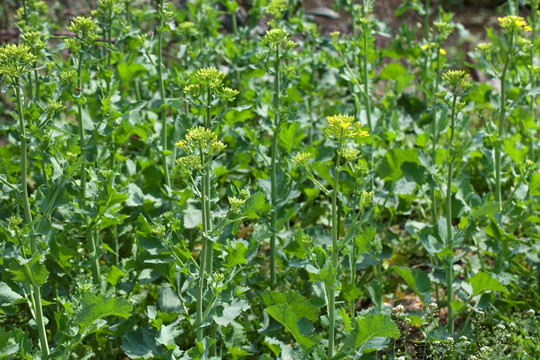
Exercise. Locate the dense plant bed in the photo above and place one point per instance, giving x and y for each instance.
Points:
(210, 180)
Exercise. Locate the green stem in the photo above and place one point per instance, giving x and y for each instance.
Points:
(207, 179)
(38, 308)
(273, 174)
(204, 252)
(498, 195)
(207, 215)
(109, 57)
(449, 245)
(36, 77)
(82, 141)
(367, 102)
(335, 253)
(163, 109)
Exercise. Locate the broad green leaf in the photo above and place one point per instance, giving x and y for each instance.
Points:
(255, 206)
(168, 300)
(167, 335)
(7, 296)
(390, 167)
(299, 305)
(483, 282)
(392, 71)
(370, 326)
(141, 344)
(235, 255)
(363, 240)
(95, 307)
(418, 281)
(284, 314)
(32, 271)
(114, 275)
(290, 135)
(226, 313)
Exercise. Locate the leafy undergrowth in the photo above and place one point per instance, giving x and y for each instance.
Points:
(223, 181)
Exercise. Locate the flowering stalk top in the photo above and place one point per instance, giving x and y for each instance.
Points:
(513, 24)
(86, 33)
(210, 80)
(15, 60)
(199, 141)
(342, 127)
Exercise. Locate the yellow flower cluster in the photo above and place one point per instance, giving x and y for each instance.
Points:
(278, 38)
(513, 24)
(210, 80)
(15, 60)
(342, 127)
(199, 142)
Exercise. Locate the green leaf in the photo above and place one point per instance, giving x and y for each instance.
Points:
(418, 281)
(347, 323)
(284, 314)
(483, 282)
(370, 326)
(114, 275)
(299, 305)
(290, 136)
(7, 296)
(390, 167)
(31, 271)
(255, 205)
(225, 314)
(95, 307)
(141, 344)
(392, 71)
(235, 255)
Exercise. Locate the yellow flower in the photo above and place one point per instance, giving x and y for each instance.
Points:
(442, 51)
(512, 23)
(527, 28)
(425, 47)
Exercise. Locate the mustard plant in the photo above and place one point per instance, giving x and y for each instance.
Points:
(277, 42)
(341, 130)
(86, 34)
(201, 146)
(15, 62)
(457, 81)
(37, 42)
(165, 14)
(207, 89)
(513, 28)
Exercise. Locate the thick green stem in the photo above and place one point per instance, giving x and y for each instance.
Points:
(273, 174)
(207, 179)
(36, 300)
(335, 254)
(502, 113)
(36, 78)
(82, 141)
(204, 253)
(448, 244)
(82, 199)
(367, 102)
(163, 108)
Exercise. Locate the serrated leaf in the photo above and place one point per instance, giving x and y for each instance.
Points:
(483, 282)
(95, 307)
(371, 326)
(7, 296)
(225, 314)
(299, 305)
(235, 255)
(284, 314)
(254, 206)
(114, 275)
(141, 344)
(418, 281)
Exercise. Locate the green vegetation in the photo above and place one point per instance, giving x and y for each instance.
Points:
(193, 183)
